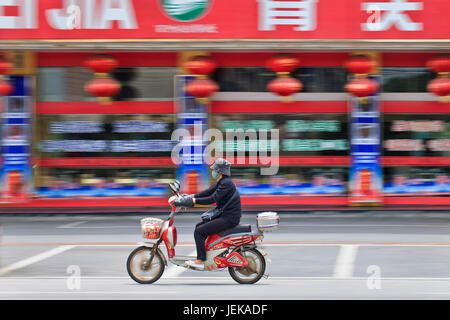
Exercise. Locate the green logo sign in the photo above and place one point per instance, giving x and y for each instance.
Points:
(185, 10)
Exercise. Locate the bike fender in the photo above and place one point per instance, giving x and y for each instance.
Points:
(151, 245)
(265, 255)
(263, 252)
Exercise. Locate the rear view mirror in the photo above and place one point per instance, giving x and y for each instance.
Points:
(175, 186)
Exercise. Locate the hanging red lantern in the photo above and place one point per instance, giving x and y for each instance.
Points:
(285, 86)
(440, 64)
(362, 87)
(101, 63)
(200, 65)
(440, 87)
(360, 64)
(283, 63)
(201, 88)
(5, 88)
(103, 88)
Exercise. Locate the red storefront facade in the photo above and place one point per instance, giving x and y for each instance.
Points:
(150, 40)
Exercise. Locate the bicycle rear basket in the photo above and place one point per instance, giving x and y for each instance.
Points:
(267, 221)
(151, 227)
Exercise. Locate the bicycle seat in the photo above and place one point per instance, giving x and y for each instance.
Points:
(240, 228)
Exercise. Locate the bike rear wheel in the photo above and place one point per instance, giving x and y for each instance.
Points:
(140, 270)
(253, 272)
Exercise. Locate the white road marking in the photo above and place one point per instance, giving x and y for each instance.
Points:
(174, 271)
(225, 276)
(437, 293)
(262, 245)
(71, 225)
(345, 261)
(39, 257)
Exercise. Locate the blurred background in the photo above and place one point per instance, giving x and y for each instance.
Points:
(347, 102)
(357, 124)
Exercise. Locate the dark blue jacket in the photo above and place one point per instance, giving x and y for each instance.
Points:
(219, 194)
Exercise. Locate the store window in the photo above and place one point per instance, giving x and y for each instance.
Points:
(255, 79)
(138, 83)
(320, 79)
(417, 135)
(103, 182)
(295, 181)
(104, 135)
(299, 134)
(405, 79)
(416, 181)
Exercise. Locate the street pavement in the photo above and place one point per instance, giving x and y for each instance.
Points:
(314, 255)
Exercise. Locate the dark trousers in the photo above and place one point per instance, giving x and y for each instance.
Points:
(204, 229)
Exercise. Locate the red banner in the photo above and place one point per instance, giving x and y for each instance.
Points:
(219, 19)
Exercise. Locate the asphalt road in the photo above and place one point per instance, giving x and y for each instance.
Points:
(319, 255)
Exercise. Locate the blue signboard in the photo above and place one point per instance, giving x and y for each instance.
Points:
(365, 176)
(15, 173)
(192, 170)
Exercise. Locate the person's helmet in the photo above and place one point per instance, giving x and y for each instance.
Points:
(223, 166)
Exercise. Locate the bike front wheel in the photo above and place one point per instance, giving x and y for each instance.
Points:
(139, 268)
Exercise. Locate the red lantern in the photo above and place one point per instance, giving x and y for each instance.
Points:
(5, 88)
(5, 66)
(201, 88)
(101, 63)
(285, 86)
(440, 64)
(360, 64)
(440, 86)
(102, 88)
(200, 65)
(283, 63)
(362, 87)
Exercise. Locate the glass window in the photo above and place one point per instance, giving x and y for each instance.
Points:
(138, 83)
(103, 182)
(105, 135)
(299, 134)
(420, 135)
(405, 79)
(414, 181)
(256, 79)
(299, 181)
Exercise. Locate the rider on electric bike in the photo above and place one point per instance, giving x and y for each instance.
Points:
(220, 193)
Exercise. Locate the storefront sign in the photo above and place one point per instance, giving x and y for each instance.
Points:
(107, 145)
(365, 170)
(254, 19)
(314, 145)
(427, 135)
(192, 123)
(418, 126)
(312, 126)
(118, 126)
(15, 173)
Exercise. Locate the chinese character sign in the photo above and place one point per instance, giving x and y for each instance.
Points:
(15, 173)
(365, 178)
(191, 126)
(389, 14)
(231, 19)
(300, 14)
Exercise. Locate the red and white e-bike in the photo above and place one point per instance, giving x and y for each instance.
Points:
(234, 249)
